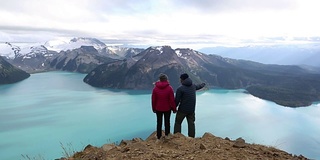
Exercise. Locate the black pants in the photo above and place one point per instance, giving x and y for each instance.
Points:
(166, 123)
(190, 119)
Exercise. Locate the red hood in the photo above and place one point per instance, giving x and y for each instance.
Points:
(162, 85)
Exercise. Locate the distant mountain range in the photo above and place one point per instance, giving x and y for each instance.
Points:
(306, 54)
(10, 50)
(136, 68)
(77, 55)
(286, 85)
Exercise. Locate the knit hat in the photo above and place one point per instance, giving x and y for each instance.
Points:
(184, 76)
(163, 77)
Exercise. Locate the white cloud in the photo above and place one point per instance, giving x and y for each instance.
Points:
(159, 22)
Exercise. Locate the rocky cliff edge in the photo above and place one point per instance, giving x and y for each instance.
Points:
(178, 146)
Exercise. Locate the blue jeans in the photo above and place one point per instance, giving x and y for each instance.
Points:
(166, 123)
(190, 119)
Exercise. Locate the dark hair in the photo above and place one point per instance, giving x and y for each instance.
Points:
(163, 77)
(184, 76)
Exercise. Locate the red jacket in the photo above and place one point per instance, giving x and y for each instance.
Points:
(163, 97)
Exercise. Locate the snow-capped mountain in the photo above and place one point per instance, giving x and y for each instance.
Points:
(12, 51)
(9, 50)
(37, 50)
(40, 56)
(61, 45)
(82, 60)
(118, 52)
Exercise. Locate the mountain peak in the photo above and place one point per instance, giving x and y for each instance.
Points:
(88, 49)
(160, 48)
(9, 50)
(74, 43)
(154, 52)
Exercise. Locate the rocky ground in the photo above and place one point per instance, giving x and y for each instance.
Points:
(178, 146)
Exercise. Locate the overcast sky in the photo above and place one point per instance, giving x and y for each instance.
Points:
(159, 22)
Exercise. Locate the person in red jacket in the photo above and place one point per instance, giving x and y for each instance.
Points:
(162, 103)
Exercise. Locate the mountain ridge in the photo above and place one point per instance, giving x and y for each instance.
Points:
(284, 54)
(81, 60)
(42, 57)
(10, 74)
(140, 71)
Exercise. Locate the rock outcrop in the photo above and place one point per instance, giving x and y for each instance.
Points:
(10, 74)
(177, 146)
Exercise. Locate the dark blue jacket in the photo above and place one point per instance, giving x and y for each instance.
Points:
(185, 97)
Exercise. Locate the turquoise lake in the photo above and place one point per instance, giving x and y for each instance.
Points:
(54, 110)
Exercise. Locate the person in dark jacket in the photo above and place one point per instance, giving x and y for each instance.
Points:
(185, 99)
(163, 103)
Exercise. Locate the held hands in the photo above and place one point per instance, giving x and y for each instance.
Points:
(174, 111)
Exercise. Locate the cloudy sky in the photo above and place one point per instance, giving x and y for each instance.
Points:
(159, 22)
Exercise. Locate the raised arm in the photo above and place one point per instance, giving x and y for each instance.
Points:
(199, 86)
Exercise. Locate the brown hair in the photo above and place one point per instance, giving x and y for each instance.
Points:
(163, 77)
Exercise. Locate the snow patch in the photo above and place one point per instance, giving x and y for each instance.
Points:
(179, 54)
